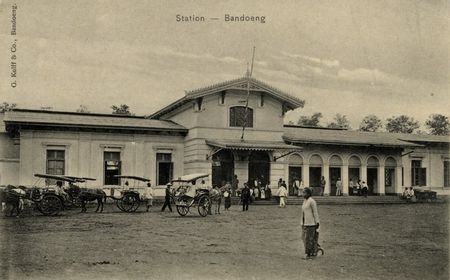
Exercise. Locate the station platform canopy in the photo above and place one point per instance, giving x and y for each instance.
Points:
(252, 145)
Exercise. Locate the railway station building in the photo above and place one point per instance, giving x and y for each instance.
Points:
(203, 132)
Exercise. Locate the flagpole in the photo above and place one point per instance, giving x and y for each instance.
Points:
(249, 75)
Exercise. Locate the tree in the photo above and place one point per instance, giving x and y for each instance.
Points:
(340, 121)
(438, 124)
(5, 106)
(370, 123)
(122, 109)
(310, 121)
(401, 124)
(83, 109)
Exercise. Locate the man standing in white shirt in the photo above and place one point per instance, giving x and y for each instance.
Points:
(338, 187)
(351, 187)
(149, 195)
(282, 193)
(299, 185)
(309, 220)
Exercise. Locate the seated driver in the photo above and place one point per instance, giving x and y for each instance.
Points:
(191, 189)
(59, 189)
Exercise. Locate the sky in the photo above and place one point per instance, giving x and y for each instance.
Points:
(353, 57)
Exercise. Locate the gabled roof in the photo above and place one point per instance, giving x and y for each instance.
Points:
(87, 120)
(290, 101)
(302, 135)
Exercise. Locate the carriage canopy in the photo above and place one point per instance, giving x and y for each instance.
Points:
(56, 177)
(133, 178)
(191, 177)
(80, 179)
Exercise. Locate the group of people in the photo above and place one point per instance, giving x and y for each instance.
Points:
(256, 192)
(359, 188)
(409, 195)
(260, 191)
(225, 193)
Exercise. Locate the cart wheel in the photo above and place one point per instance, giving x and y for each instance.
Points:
(182, 210)
(35, 194)
(129, 202)
(119, 205)
(50, 205)
(203, 205)
(182, 207)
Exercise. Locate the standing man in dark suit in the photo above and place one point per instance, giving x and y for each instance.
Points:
(245, 197)
(167, 198)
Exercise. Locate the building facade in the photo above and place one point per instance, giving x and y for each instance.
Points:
(233, 128)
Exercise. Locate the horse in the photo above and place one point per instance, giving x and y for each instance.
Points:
(84, 195)
(215, 195)
(12, 198)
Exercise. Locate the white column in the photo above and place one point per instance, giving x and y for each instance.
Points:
(398, 180)
(345, 179)
(326, 174)
(407, 172)
(305, 175)
(381, 181)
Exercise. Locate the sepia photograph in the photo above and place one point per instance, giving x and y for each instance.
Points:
(224, 139)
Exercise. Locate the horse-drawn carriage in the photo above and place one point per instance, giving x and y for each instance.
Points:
(54, 197)
(48, 195)
(189, 193)
(81, 195)
(127, 197)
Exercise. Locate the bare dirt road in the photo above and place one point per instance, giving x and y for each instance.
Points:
(408, 241)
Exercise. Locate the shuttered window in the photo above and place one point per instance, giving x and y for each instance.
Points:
(164, 168)
(418, 173)
(238, 117)
(55, 162)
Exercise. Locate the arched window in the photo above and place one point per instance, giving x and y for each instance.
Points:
(335, 161)
(237, 117)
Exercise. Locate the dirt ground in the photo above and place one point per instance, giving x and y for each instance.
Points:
(407, 241)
